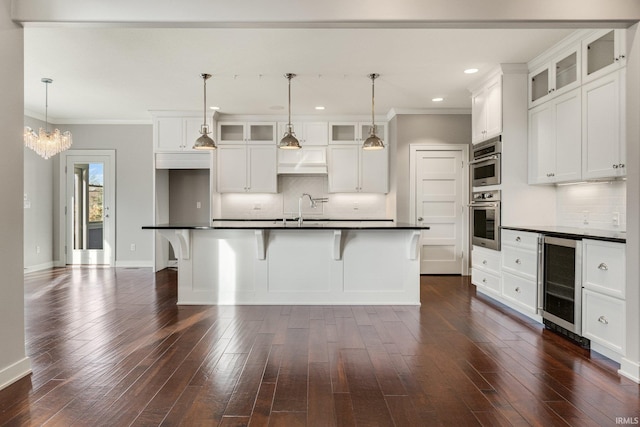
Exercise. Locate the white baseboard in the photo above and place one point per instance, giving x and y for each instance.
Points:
(39, 267)
(135, 264)
(630, 370)
(14, 372)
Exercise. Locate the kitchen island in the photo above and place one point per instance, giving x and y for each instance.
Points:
(278, 262)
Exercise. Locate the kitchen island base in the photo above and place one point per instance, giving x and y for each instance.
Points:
(296, 266)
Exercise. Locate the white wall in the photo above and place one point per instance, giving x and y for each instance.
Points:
(408, 129)
(134, 186)
(38, 207)
(13, 361)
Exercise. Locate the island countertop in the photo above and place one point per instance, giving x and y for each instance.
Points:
(279, 224)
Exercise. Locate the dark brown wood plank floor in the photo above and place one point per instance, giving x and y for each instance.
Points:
(110, 347)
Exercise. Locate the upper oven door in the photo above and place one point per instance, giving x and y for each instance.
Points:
(486, 171)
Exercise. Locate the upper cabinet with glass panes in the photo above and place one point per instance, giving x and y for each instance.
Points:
(556, 76)
(603, 51)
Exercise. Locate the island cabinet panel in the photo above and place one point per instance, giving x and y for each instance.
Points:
(294, 265)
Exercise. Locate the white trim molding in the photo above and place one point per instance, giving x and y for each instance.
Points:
(630, 369)
(39, 267)
(14, 372)
(134, 264)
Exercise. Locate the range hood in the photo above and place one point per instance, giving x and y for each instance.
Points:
(308, 160)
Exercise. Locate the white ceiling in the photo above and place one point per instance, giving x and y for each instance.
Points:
(119, 74)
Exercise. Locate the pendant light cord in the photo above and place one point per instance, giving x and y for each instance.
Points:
(204, 109)
(373, 97)
(289, 76)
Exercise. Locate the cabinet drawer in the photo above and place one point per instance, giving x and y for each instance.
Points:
(523, 262)
(604, 267)
(520, 239)
(487, 281)
(603, 320)
(486, 259)
(522, 291)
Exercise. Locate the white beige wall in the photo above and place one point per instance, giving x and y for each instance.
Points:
(134, 186)
(408, 129)
(13, 361)
(38, 207)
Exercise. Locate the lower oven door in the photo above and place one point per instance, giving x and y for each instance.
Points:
(485, 224)
(562, 283)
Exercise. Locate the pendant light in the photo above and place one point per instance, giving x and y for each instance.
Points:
(373, 142)
(289, 140)
(204, 142)
(46, 143)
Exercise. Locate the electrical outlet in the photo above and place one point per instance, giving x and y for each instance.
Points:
(615, 218)
(198, 205)
(133, 247)
(257, 206)
(585, 217)
(355, 206)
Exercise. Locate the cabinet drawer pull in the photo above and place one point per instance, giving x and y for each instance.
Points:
(518, 239)
(603, 266)
(517, 289)
(518, 261)
(603, 320)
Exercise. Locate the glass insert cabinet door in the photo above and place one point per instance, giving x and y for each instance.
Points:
(88, 210)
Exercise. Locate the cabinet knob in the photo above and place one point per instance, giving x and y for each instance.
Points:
(484, 280)
(484, 261)
(517, 289)
(603, 267)
(518, 261)
(621, 165)
(518, 239)
(420, 218)
(615, 166)
(603, 320)
(621, 57)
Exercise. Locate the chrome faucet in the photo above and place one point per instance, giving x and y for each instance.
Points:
(312, 203)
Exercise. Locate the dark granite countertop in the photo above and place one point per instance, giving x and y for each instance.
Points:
(573, 232)
(278, 224)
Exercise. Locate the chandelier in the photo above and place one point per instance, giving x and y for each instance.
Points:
(46, 143)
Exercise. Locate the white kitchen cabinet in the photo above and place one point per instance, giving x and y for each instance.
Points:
(485, 272)
(555, 140)
(486, 110)
(603, 267)
(246, 132)
(603, 296)
(604, 322)
(603, 132)
(246, 169)
(354, 132)
(308, 133)
(603, 51)
(520, 270)
(558, 76)
(354, 170)
(176, 133)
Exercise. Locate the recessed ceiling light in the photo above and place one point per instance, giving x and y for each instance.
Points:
(214, 108)
(437, 99)
(319, 107)
(471, 71)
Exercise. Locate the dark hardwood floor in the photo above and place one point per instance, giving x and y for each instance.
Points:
(110, 347)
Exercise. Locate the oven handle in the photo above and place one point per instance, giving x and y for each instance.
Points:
(483, 204)
(484, 159)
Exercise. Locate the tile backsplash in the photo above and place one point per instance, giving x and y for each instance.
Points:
(593, 205)
(285, 202)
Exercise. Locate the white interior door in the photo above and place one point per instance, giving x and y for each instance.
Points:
(90, 209)
(439, 204)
